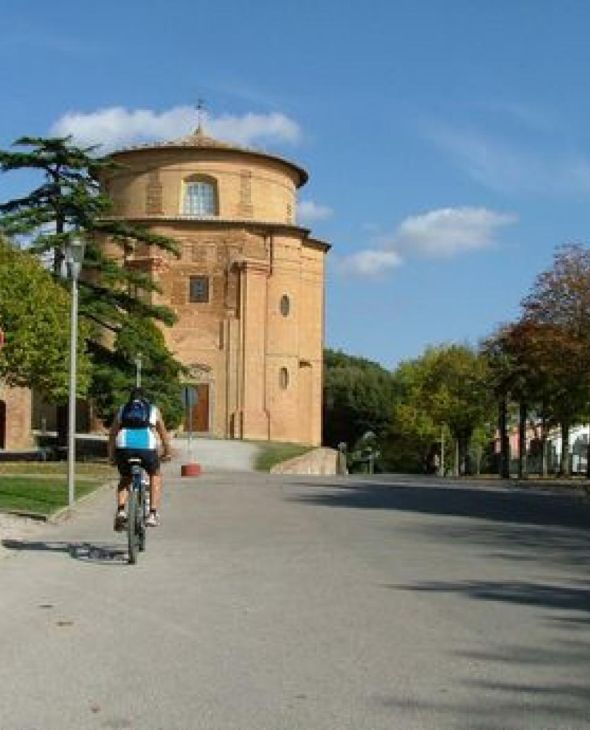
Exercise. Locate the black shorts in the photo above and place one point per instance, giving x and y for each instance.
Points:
(149, 460)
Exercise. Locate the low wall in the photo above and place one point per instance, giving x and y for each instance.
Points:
(317, 461)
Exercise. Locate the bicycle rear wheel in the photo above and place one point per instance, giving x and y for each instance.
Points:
(132, 531)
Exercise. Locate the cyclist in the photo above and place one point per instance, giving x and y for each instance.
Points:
(138, 431)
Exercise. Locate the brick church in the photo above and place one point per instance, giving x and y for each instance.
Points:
(248, 288)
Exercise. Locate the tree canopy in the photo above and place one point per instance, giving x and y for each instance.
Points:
(35, 316)
(443, 391)
(357, 398)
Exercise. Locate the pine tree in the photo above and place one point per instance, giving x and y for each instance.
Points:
(70, 202)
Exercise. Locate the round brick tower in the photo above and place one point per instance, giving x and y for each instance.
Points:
(248, 288)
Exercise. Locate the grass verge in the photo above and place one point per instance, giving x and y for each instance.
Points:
(273, 453)
(94, 469)
(42, 488)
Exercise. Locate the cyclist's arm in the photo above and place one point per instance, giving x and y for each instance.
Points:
(164, 438)
(114, 430)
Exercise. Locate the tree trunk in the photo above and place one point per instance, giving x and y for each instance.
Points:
(544, 447)
(465, 465)
(504, 443)
(522, 412)
(456, 470)
(62, 418)
(478, 460)
(564, 465)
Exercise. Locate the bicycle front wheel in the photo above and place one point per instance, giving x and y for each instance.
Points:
(132, 531)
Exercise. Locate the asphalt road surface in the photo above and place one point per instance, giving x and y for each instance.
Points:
(271, 603)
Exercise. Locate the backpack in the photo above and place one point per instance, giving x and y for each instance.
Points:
(136, 414)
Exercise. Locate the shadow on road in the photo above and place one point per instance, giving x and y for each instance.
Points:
(84, 551)
(503, 505)
(500, 706)
(523, 593)
(556, 691)
(541, 534)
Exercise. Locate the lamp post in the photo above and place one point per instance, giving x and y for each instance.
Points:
(74, 256)
(138, 370)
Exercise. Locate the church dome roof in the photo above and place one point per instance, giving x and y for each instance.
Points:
(199, 140)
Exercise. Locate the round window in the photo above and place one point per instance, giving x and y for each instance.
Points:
(283, 378)
(285, 305)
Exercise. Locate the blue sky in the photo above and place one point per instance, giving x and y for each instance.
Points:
(447, 141)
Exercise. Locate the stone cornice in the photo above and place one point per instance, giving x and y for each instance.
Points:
(255, 266)
(265, 226)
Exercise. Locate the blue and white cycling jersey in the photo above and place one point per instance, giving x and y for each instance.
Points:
(138, 438)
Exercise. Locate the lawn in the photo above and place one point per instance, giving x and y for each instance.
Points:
(273, 453)
(41, 488)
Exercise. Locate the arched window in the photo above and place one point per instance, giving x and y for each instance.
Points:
(200, 197)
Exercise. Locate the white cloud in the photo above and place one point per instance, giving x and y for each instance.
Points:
(448, 231)
(440, 233)
(370, 262)
(119, 127)
(508, 168)
(250, 128)
(308, 211)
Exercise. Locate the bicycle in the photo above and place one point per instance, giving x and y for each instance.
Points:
(137, 509)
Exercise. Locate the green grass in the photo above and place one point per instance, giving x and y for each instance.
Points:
(273, 453)
(43, 493)
(95, 469)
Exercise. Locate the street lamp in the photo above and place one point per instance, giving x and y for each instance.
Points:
(138, 370)
(73, 258)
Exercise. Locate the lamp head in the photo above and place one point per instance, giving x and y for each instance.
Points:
(74, 255)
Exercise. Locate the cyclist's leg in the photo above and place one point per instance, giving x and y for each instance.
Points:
(122, 491)
(151, 464)
(122, 456)
(156, 491)
(122, 459)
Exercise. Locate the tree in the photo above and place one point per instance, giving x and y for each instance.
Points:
(448, 391)
(455, 389)
(69, 202)
(160, 372)
(441, 396)
(517, 355)
(34, 315)
(357, 398)
(501, 369)
(559, 305)
(412, 432)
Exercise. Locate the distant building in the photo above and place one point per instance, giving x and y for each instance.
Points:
(579, 436)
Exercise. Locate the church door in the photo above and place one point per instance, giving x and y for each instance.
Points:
(199, 415)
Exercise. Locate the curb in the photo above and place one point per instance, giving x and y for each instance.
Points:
(64, 513)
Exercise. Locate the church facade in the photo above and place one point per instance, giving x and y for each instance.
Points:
(247, 289)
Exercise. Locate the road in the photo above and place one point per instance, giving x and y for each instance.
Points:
(283, 603)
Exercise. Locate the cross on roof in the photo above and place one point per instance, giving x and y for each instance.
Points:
(200, 107)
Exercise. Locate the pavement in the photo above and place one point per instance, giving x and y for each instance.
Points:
(304, 603)
(216, 454)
